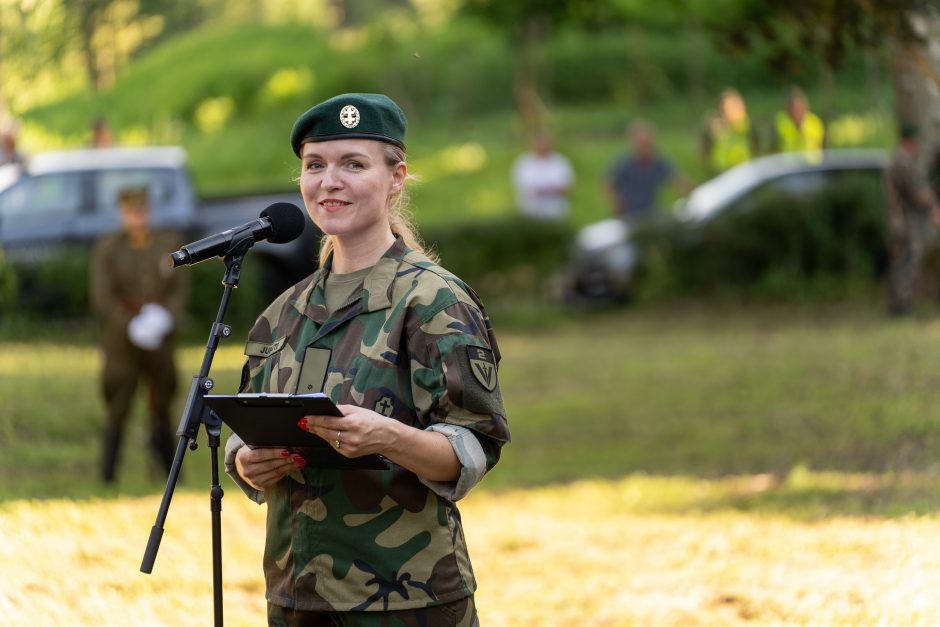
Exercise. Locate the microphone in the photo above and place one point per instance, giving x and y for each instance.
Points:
(279, 223)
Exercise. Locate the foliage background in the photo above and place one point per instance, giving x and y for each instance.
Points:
(227, 79)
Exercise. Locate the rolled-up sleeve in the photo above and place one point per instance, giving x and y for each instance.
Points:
(455, 385)
(472, 460)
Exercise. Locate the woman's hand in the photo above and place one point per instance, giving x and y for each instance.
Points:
(357, 432)
(361, 431)
(263, 467)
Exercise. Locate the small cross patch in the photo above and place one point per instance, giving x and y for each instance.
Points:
(349, 116)
(384, 406)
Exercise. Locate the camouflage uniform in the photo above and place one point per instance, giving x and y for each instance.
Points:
(123, 279)
(909, 228)
(414, 344)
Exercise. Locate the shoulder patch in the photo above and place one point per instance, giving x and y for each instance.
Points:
(260, 349)
(483, 366)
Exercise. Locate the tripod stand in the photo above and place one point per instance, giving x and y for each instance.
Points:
(194, 414)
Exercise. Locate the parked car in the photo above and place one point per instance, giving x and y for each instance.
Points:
(606, 256)
(63, 201)
(795, 174)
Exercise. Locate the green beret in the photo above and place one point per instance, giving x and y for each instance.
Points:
(351, 116)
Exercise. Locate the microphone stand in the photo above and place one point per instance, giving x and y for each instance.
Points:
(195, 412)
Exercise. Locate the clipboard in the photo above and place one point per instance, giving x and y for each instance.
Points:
(270, 420)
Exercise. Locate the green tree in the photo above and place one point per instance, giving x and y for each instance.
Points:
(49, 47)
(529, 22)
(34, 41)
(110, 32)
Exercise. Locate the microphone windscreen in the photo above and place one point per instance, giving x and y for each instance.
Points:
(287, 222)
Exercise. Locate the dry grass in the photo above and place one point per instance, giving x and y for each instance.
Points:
(589, 553)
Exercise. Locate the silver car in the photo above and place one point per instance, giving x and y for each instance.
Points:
(69, 197)
(606, 258)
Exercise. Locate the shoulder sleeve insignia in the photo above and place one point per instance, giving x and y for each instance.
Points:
(483, 366)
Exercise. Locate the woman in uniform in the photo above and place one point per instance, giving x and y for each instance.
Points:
(406, 351)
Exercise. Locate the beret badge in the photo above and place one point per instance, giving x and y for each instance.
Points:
(349, 116)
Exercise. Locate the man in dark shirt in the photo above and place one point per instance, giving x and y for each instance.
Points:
(635, 179)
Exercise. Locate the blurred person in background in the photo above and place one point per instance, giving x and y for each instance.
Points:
(543, 179)
(408, 353)
(634, 180)
(912, 220)
(797, 129)
(728, 137)
(9, 153)
(9, 284)
(139, 300)
(101, 135)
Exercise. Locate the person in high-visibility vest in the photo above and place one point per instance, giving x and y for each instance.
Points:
(728, 138)
(798, 129)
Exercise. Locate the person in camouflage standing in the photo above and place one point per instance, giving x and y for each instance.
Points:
(913, 215)
(407, 352)
(138, 297)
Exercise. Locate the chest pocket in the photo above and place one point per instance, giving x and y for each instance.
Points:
(313, 370)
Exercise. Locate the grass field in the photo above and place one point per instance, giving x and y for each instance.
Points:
(591, 553)
(669, 466)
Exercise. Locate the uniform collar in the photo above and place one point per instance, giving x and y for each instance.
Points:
(376, 292)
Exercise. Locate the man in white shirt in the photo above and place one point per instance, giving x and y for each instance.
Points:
(542, 180)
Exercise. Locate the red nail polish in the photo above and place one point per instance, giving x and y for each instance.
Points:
(302, 423)
(300, 460)
(285, 453)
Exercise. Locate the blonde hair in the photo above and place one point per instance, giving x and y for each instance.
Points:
(399, 215)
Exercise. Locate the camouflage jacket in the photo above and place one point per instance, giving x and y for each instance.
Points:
(904, 194)
(415, 344)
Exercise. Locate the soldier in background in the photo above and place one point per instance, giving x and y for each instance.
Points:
(139, 299)
(913, 215)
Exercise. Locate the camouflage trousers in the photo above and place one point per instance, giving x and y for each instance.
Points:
(460, 613)
(907, 259)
